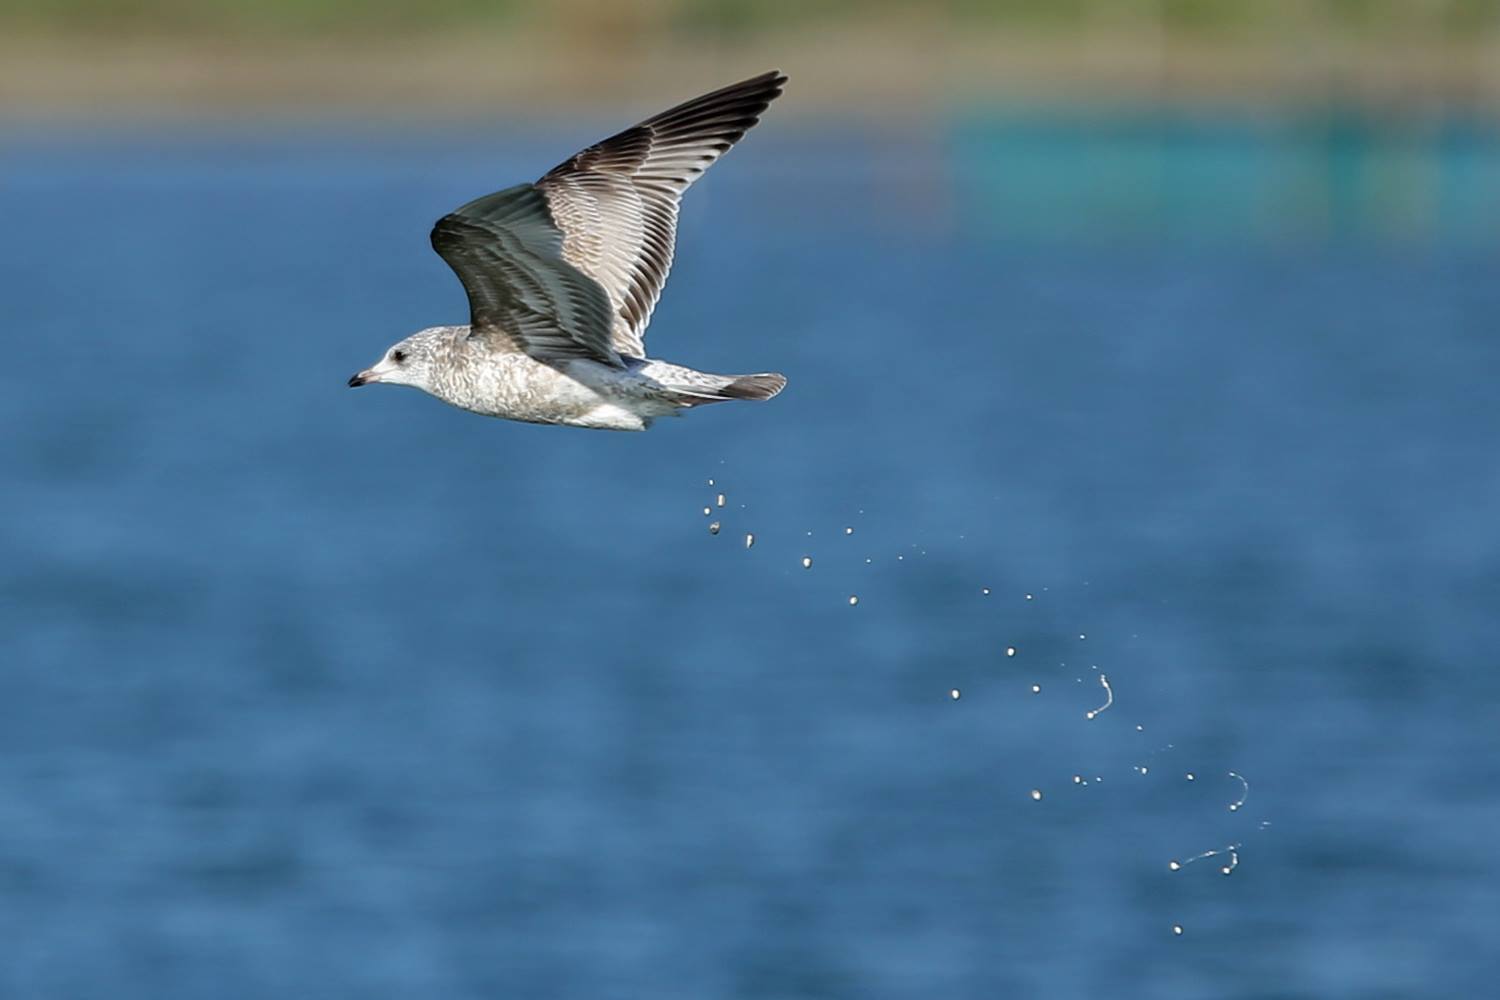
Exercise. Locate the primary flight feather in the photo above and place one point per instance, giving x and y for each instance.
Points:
(562, 276)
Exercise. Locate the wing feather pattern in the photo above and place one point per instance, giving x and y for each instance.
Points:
(616, 202)
(522, 294)
(573, 265)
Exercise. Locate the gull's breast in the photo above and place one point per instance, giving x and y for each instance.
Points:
(518, 387)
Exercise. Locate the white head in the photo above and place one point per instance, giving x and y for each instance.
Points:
(409, 361)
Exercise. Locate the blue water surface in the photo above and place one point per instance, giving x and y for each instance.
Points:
(314, 693)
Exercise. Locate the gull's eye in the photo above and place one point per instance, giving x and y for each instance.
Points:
(398, 356)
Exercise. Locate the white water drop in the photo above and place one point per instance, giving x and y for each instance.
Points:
(1010, 651)
(749, 540)
(1036, 795)
(1028, 597)
(853, 600)
(1177, 929)
(985, 591)
(807, 562)
(710, 482)
(719, 500)
(1036, 689)
(848, 531)
(713, 527)
(707, 511)
(1173, 865)
(955, 694)
(1191, 776)
(1077, 779)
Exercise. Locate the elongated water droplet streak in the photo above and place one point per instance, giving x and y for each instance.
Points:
(1244, 792)
(1109, 699)
(1232, 851)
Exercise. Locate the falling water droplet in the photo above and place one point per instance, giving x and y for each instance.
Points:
(1177, 929)
(985, 591)
(1174, 865)
(955, 694)
(707, 511)
(1190, 776)
(853, 600)
(1036, 689)
(1077, 779)
(1010, 651)
(713, 527)
(1036, 795)
(710, 482)
(848, 531)
(807, 562)
(1028, 597)
(719, 500)
(749, 540)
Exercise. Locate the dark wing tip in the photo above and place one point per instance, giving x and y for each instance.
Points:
(745, 100)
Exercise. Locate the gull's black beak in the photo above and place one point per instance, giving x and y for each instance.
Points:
(357, 380)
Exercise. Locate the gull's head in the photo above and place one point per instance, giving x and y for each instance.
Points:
(406, 362)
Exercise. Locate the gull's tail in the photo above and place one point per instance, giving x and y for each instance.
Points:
(762, 386)
(689, 387)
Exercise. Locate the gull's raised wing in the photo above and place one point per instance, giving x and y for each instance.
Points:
(616, 202)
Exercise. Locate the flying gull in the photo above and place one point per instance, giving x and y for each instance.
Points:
(562, 276)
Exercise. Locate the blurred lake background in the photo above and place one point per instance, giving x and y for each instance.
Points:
(1151, 341)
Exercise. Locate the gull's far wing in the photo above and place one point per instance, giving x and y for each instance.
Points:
(523, 294)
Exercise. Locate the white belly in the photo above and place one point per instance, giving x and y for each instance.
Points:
(577, 393)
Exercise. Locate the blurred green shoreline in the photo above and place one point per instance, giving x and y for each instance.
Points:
(464, 58)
